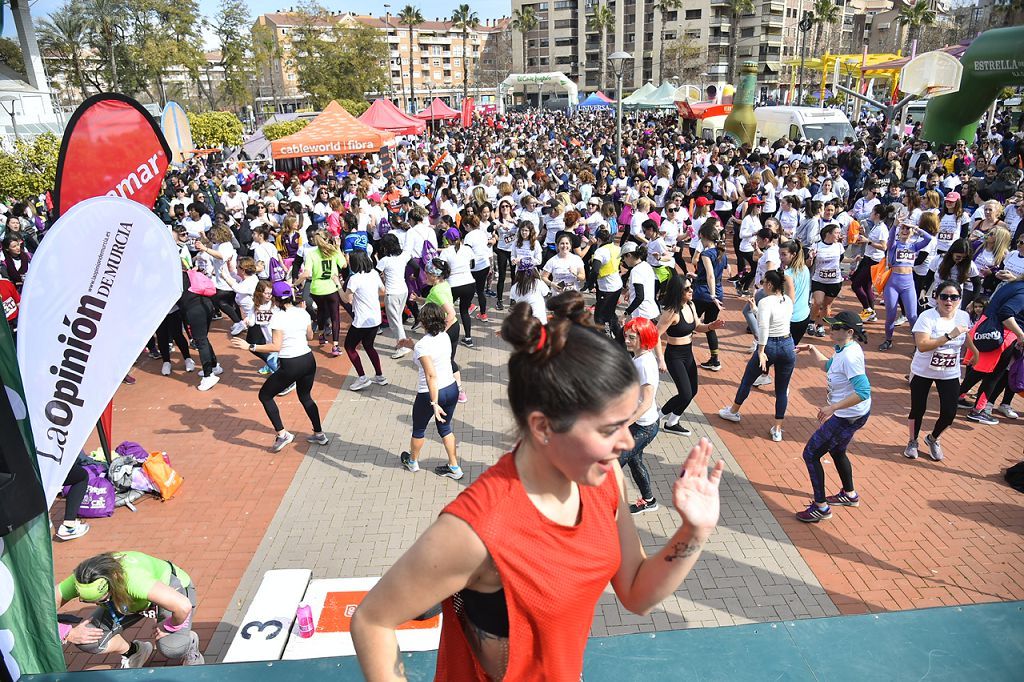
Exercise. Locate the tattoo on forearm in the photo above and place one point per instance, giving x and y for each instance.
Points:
(684, 550)
(399, 664)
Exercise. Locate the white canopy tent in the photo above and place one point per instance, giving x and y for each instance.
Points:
(552, 78)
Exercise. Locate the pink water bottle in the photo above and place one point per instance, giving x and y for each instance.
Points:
(304, 618)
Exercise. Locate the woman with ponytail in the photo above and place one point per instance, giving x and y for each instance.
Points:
(323, 267)
(524, 553)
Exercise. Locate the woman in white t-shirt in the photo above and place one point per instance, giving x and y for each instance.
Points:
(461, 259)
(505, 229)
(641, 339)
(224, 259)
(437, 392)
(528, 287)
(939, 334)
(566, 270)
(292, 331)
(392, 266)
(363, 291)
(243, 283)
(481, 243)
(826, 275)
(640, 284)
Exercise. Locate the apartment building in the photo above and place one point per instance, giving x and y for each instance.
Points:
(437, 56)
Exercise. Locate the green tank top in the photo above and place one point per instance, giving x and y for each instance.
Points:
(322, 269)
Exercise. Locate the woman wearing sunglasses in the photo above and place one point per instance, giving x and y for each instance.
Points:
(128, 587)
(939, 334)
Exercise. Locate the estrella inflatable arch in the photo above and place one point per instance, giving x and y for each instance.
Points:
(992, 62)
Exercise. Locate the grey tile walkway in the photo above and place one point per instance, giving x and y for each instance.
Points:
(351, 510)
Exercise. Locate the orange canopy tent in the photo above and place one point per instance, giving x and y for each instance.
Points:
(333, 132)
(437, 111)
(384, 115)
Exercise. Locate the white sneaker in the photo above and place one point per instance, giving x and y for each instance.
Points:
(165, 369)
(763, 380)
(902, 319)
(281, 441)
(727, 414)
(66, 532)
(401, 353)
(218, 370)
(1008, 411)
(190, 365)
(380, 380)
(140, 658)
(776, 434)
(192, 655)
(237, 328)
(360, 383)
(206, 383)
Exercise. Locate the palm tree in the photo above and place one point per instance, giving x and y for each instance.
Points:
(664, 6)
(601, 20)
(525, 20)
(60, 35)
(411, 16)
(915, 17)
(101, 17)
(267, 53)
(737, 8)
(465, 18)
(825, 13)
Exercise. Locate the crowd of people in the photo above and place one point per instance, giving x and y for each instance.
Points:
(606, 273)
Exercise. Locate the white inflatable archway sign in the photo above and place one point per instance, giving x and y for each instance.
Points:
(522, 79)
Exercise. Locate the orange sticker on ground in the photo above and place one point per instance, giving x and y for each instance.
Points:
(339, 607)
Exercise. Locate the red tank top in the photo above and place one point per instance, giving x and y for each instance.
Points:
(552, 575)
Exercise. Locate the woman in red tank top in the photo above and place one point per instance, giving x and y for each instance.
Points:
(521, 557)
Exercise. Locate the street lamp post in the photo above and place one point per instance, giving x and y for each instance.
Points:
(618, 61)
(806, 24)
(430, 99)
(11, 100)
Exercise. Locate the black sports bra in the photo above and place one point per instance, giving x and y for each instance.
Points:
(681, 328)
(486, 611)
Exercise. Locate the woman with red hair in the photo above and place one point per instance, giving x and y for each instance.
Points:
(641, 339)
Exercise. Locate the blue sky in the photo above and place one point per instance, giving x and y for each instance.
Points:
(485, 9)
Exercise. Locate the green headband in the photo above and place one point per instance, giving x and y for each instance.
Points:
(95, 591)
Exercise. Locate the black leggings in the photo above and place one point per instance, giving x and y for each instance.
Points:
(708, 312)
(464, 295)
(948, 390)
(300, 371)
(798, 329)
(992, 383)
(504, 259)
(365, 336)
(171, 329)
(453, 335)
(329, 306)
(197, 317)
(683, 370)
(745, 263)
(225, 302)
(604, 311)
(78, 479)
(255, 336)
(481, 284)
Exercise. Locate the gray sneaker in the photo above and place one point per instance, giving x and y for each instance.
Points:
(934, 448)
(140, 657)
(910, 452)
(281, 441)
(192, 655)
(318, 439)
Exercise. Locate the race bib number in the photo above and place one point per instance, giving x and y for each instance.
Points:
(9, 307)
(943, 359)
(904, 255)
(945, 236)
(831, 273)
(509, 237)
(190, 242)
(263, 317)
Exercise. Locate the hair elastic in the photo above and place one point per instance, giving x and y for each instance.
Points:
(543, 338)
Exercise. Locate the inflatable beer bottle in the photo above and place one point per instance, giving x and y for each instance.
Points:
(740, 124)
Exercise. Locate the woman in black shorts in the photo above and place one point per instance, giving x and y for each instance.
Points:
(707, 286)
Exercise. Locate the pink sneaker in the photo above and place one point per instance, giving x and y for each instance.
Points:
(462, 397)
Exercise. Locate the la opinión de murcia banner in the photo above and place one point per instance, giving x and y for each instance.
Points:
(101, 282)
(111, 147)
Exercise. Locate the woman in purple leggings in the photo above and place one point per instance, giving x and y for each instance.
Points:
(904, 244)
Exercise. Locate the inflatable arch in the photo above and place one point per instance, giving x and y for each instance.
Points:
(992, 62)
(554, 77)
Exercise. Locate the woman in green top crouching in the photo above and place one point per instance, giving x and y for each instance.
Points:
(130, 586)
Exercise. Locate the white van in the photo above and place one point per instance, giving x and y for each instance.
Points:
(711, 128)
(802, 122)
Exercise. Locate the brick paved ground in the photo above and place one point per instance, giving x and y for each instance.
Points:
(927, 533)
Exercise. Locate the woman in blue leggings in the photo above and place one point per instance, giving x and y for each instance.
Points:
(905, 242)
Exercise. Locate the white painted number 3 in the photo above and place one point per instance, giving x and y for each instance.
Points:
(260, 627)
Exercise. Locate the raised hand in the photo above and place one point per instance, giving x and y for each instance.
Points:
(695, 493)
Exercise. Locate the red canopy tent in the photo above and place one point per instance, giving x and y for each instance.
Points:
(384, 115)
(438, 111)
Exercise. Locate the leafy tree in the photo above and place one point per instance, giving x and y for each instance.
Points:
(825, 13)
(683, 59)
(525, 20)
(31, 168)
(103, 29)
(601, 20)
(411, 16)
(10, 54)
(279, 129)
(215, 129)
(915, 17)
(737, 8)
(166, 34)
(662, 6)
(337, 60)
(267, 56)
(231, 24)
(59, 38)
(356, 107)
(464, 18)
